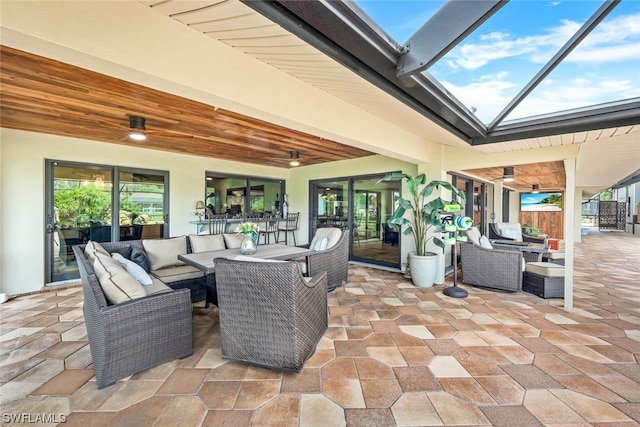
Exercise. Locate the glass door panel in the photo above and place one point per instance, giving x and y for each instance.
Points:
(79, 209)
(330, 206)
(142, 205)
(373, 240)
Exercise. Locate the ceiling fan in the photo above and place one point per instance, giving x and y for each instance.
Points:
(508, 175)
(138, 131)
(295, 158)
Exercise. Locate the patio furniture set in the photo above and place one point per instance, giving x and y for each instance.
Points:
(139, 295)
(512, 261)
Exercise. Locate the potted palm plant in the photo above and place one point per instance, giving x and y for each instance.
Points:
(419, 216)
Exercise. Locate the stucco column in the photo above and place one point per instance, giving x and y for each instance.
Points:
(569, 229)
(436, 171)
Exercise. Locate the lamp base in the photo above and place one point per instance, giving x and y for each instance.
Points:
(455, 292)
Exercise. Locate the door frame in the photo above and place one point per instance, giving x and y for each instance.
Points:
(49, 213)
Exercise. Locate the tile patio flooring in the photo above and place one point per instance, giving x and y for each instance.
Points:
(393, 355)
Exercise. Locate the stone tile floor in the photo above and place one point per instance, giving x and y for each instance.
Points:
(393, 355)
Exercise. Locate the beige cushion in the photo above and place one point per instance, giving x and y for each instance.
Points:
(232, 241)
(473, 234)
(332, 236)
(177, 273)
(92, 248)
(210, 242)
(118, 285)
(164, 253)
(511, 230)
(157, 287)
(553, 254)
(547, 269)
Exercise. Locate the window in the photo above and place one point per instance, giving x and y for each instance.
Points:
(243, 195)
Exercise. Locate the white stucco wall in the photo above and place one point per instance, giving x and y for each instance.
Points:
(22, 196)
(22, 203)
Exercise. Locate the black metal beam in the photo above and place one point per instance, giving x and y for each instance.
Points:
(443, 31)
(346, 34)
(337, 30)
(568, 47)
(604, 116)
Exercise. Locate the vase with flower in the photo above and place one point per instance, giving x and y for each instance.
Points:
(249, 244)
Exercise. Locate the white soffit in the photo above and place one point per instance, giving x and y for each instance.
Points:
(235, 24)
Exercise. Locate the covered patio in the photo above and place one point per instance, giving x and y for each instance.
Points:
(394, 354)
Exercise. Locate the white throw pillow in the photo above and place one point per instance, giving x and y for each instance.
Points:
(485, 243)
(164, 252)
(133, 269)
(204, 243)
(118, 285)
(474, 235)
(332, 235)
(321, 244)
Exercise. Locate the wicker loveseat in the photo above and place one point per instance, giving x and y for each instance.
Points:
(135, 335)
(270, 315)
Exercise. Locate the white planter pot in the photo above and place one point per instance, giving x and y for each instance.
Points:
(423, 269)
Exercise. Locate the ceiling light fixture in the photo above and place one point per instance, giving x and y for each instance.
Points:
(294, 158)
(535, 188)
(138, 131)
(507, 175)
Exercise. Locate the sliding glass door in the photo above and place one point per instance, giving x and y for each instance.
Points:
(360, 205)
(373, 240)
(100, 203)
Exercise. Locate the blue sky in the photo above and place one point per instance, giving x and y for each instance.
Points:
(495, 62)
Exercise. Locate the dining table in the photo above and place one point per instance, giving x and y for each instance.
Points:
(204, 261)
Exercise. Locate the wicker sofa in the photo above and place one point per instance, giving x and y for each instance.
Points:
(135, 335)
(176, 277)
(270, 315)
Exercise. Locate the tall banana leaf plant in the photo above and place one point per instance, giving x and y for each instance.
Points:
(422, 215)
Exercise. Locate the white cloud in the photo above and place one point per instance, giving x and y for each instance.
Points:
(491, 93)
(612, 40)
(593, 73)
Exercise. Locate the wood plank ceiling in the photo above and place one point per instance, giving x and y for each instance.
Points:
(548, 176)
(41, 95)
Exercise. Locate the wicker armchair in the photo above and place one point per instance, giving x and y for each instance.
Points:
(269, 314)
(491, 268)
(334, 260)
(136, 335)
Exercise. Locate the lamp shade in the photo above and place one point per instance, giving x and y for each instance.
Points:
(199, 204)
